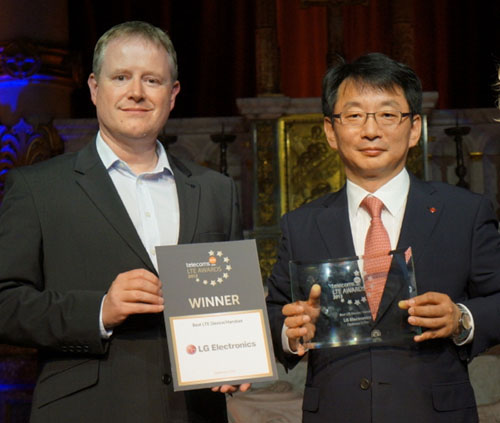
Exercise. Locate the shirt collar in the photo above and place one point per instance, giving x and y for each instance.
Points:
(111, 160)
(393, 194)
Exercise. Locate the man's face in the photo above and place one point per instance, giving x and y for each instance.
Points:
(372, 154)
(133, 93)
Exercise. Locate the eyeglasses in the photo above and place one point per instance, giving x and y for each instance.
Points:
(385, 118)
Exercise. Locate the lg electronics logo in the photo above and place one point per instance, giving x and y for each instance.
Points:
(212, 272)
(192, 349)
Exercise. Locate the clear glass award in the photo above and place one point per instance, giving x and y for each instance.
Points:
(357, 305)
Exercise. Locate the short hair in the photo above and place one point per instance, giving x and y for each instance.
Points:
(375, 70)
(135, 29)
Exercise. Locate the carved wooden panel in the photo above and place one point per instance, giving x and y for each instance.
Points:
(24, 144)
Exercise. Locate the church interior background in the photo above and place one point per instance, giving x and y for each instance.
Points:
(251, 75)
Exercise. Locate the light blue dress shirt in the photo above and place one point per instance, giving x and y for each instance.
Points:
(150, 199)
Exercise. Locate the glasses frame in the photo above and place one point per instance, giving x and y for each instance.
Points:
(403, 115)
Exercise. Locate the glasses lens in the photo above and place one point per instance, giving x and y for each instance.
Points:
(388, 117)
(385, 118)
(353, 118)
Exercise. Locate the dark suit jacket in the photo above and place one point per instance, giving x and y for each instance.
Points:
(456, 249)
(64, 237)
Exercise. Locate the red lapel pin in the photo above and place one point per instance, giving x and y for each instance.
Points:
(432, 209)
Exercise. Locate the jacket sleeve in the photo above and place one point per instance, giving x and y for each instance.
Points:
(279, 294)
(484, 282)
(30, 313)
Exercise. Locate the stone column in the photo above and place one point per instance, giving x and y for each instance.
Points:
(267, 51)
(335, 53)
(335, 35)
(476, 171)
(403, 36)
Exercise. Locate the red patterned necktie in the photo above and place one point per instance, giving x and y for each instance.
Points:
(376, 258)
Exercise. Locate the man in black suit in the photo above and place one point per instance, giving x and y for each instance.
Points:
(78, 272)
(372, 117)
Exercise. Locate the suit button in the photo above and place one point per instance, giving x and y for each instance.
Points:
(166, 379)
(364, 384)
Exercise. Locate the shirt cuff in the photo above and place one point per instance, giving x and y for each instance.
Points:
(469, 338)
(105, 334)
(285, 343)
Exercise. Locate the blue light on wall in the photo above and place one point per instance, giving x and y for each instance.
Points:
(11, 88)
(7, 387)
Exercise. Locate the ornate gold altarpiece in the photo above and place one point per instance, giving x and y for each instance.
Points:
(308, 167)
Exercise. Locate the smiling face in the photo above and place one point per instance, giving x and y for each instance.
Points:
(372, 154)
(133, 92)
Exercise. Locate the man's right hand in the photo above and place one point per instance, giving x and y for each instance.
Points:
(137, 291)
(300, 319)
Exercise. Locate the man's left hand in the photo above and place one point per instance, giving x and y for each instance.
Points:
(434, 311)
(229, 389)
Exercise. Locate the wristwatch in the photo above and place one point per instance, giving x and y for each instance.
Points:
(464, 325)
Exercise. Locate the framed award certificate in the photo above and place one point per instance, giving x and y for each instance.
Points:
(215, 315)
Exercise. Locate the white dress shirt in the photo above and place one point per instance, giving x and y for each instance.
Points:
(393, 194)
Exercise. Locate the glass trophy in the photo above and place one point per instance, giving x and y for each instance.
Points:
(345, 313)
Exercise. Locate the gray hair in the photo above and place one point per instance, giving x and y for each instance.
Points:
(135, 29)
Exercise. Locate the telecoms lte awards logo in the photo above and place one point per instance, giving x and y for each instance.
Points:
(212, 272)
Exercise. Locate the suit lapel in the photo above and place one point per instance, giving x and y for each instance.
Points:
(188, 192)
(423, 210)
(393, 289)
(93, 178)
(421, 215)
(334, 227)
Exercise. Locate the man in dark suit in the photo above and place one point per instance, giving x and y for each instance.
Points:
(78, 272)
(372, 117)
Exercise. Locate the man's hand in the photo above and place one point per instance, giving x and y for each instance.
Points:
(134, 292)
(229, 389)
(434, 311)
(301, 318)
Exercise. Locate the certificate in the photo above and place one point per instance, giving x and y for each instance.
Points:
(215, 315)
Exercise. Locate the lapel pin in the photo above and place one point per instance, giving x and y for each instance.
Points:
(432, 209)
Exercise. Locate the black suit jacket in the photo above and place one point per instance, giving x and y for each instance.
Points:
(64, 237)
(456, 248)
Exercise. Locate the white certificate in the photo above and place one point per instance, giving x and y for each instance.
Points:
(220, 347)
